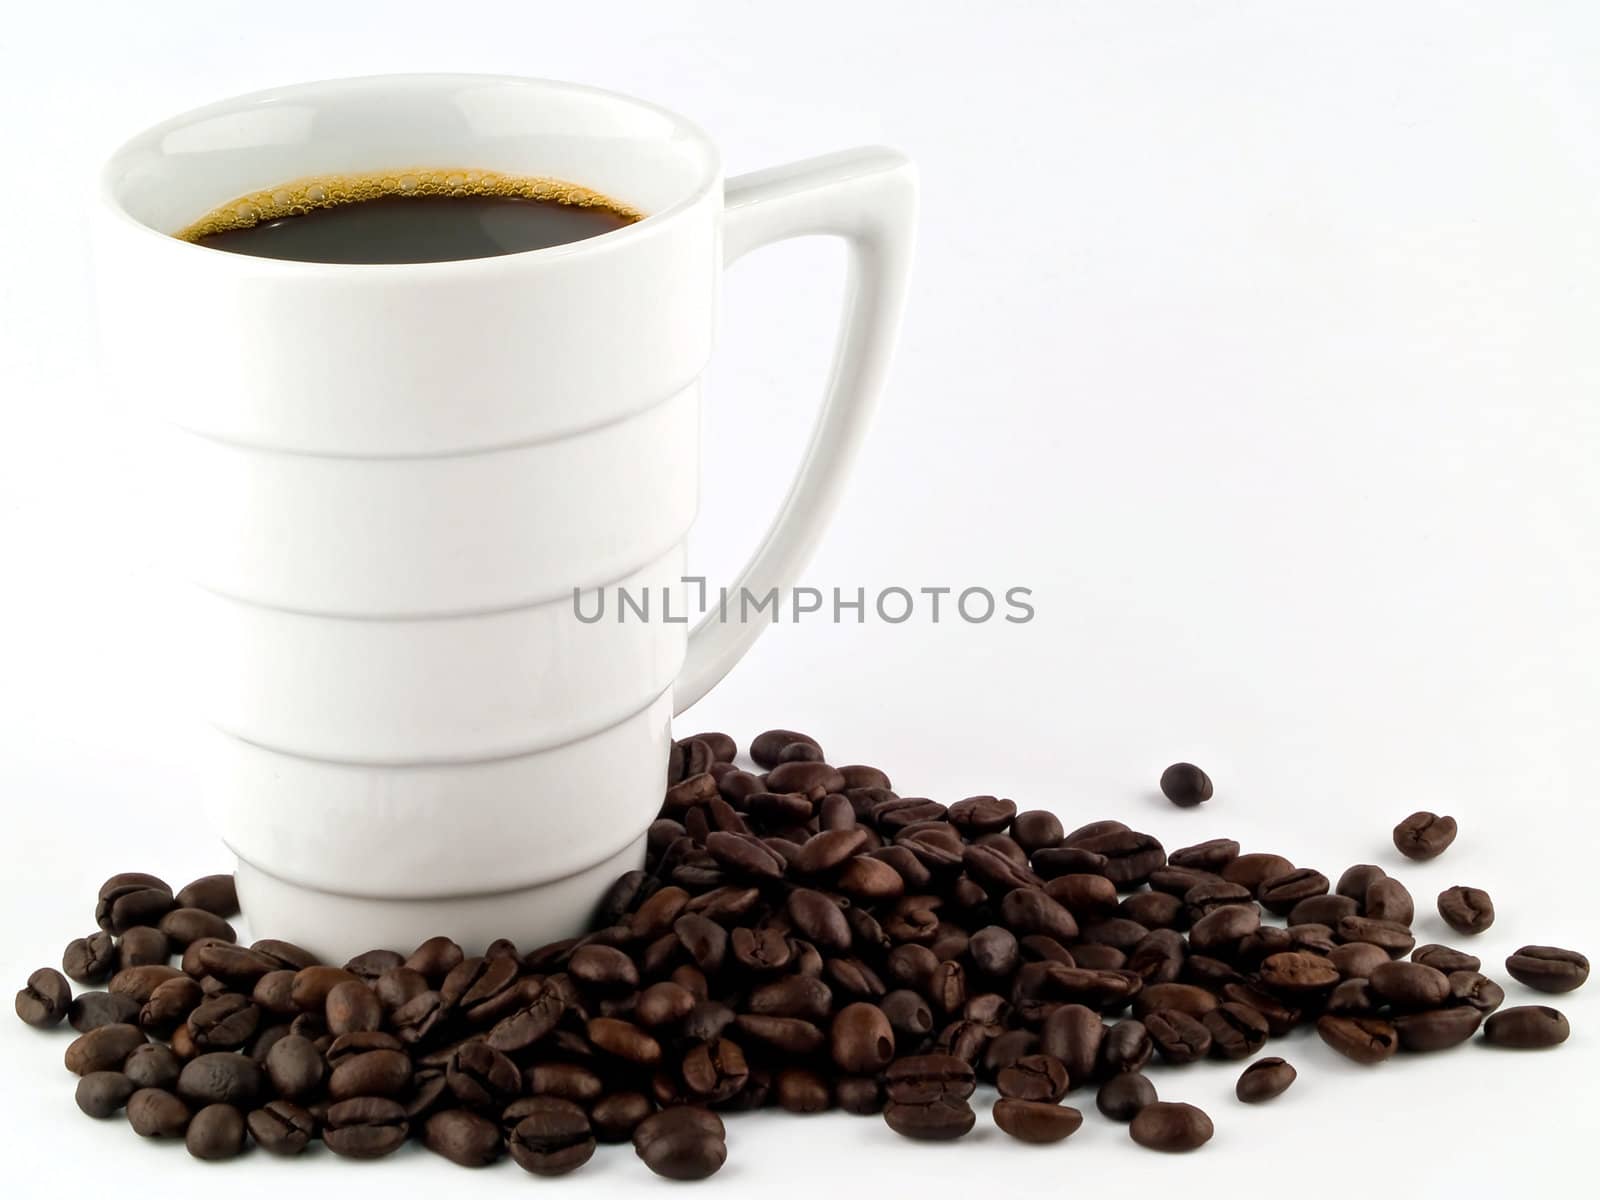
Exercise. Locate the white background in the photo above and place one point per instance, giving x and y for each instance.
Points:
(1258, 339)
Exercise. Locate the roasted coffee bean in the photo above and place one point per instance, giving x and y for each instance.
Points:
(1237, 1030)
(715, 1070)
(1034, 1077)
(1526, 1027)
(101, 1093)
(388, 1073)
(1264, 1079)
(1153, 910)
(1130, 856)
(623, 1040)
(131, 899)
(90, 959)
(1282, 1018)
(282, 1128)
(220, 1078)
(91, 1010)
(295, 1067)
(680, 1148)
(1253, 870)
(564, 1080)
(1035, 1121)
(213, 893)
(1072, 1033)
(140, 982)
(552, 1138)
(934, 1121)
(1186, 785)
(396, 988)
(1424, 835)
(153, 1065)
(1443, 958)
(1159, 957)
(1296, 973)
(274, 993)
(1436, 1029)
(236, 966)
(1280, 893)
(861, 1039)
(768, 746)
(1410, 984)
(141, 946)
(102, 1049)
(615, 1117)
(981, 814)
(1210, 855)
(1126, 1046)
(366, 1127)
(819, 920)
(1170, 1127)
(522, 1028)
(416, 1020)
(1353, 998)
(466, 1138)
(185, 926)
(802, 1090)
(1364, 1040)
(435, 958)
(1223, 928)
(1324, 910)
(1475, 990)
(1182, 997)
(1548, 968)
(170, 1005)
(215, 1133)
(1357, 960)
(1123, 1095)
(1055, 861)
(1391, 937)
(1466, 909)
(373, 963)
(1387, 899)
(312, 985)
(1036, 829)
(226, 1021)
(924, 1078)
(45, 1000)
(157, 1114)
(352, 1007)
(604, 969)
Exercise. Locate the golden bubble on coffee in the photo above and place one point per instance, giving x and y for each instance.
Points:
(329, 191)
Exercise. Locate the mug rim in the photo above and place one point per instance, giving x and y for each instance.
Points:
(709, 180)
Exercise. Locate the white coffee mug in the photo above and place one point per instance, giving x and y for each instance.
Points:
(385, 483)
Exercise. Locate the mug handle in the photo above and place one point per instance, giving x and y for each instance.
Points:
(868, 197)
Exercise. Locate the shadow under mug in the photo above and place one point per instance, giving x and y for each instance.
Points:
(383, 485)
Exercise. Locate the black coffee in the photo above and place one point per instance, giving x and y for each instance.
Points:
(408, 219)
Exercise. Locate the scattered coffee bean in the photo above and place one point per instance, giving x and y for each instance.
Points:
(1124, 1094)
(282, 1128)
(216, 1132)
(1466, 909)
(157, 1114)
(804, 939)
(101, 1093)
(1186, 785)
(1364, 1040)
(682, 1142)
(1170, 1127)
(1527, 1027)
(1424, 835)
(1548, 968)
(1036, 1121)
(45, 1000)
(1264, 1079)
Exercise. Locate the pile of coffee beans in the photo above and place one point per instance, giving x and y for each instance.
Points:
(801, 936)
